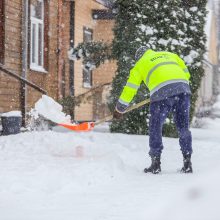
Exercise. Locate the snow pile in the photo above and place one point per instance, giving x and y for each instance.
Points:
(49, 109)
(12, 114)
(52, 175)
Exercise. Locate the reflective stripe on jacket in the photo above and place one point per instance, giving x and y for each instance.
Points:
(155, 69)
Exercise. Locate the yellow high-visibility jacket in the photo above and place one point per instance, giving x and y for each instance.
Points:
(155, 69)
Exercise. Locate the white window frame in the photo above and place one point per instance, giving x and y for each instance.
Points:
(36, 21)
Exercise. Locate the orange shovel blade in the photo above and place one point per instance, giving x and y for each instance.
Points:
(85, 126)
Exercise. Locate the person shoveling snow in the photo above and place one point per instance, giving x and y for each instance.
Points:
(167, 78)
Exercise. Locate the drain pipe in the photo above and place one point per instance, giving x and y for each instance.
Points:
(60, 48)
(24, 39)
(71, 62)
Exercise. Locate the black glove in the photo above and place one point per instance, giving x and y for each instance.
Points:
(117, 115)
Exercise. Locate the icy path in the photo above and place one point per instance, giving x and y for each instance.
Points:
(98, 176)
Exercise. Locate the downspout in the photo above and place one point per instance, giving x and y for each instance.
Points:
(60, 48)
(71, 62)
(24, 38)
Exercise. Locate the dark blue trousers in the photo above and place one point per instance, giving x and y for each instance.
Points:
(179, 105)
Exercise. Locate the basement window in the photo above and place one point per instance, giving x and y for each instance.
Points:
(87, 73)
(37, 35)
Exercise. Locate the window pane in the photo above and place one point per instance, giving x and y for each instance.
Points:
(87, 77)
(87, 74)
(40, 45)
(37, 9)
(37, 32)
(87, 35)
(33, 45)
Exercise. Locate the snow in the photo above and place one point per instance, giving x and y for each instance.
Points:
(147, 29)
(90, 66)
(139, 15)
(193, 9)
(11, 114)
(193, 28)
(49, 109)
(71, 54)
(98, 176)
(37, 68)
(175, 42)
(163, 41)
(74, 54)
(189, 59)
(187, 14)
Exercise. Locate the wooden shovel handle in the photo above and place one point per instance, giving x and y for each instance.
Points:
(131, 108)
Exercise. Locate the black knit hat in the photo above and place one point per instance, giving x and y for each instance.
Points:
(140, 52)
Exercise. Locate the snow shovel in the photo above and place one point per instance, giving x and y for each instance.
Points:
(88, 126)
(85, 126)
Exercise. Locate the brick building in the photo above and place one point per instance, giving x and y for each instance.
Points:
(35, 36)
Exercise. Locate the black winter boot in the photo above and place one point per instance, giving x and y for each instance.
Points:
(187, 164)
(155, 166)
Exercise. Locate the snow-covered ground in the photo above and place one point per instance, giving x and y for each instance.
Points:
(99, 176)
(62, 175)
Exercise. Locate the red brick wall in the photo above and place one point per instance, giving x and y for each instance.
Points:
(2, 29)
(66, 43)
(9, 87)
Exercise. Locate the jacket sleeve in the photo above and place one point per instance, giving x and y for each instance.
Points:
(129, 90)
(183, 66)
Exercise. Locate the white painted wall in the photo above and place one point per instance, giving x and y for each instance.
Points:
(206, 91)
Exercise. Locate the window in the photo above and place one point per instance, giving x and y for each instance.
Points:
(2, 35)
(37, 35)
(87, 73)
(87, 78)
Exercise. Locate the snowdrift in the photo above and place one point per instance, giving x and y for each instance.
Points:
(54, 175)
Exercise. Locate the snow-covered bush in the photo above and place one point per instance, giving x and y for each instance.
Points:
(175, 26)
